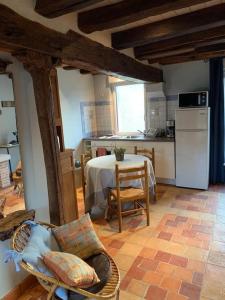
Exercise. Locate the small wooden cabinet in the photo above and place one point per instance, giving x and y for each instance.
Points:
(69, 204)
(70, 207)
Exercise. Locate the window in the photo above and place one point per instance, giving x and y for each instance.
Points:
(130, 105)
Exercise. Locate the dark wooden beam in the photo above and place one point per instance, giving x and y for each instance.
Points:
(40, 66)
(196, 21)
(128, 11)
(198, 54)
(190, 39)
(72, 48)
(56, 8)
(215, 44)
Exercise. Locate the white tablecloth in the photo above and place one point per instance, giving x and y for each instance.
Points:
(100, 174)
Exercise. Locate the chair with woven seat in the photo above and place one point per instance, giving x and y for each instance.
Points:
(83, 161)
(121, 195)
(2, 206)
(18, 180)
(150, 154)
(109, 291)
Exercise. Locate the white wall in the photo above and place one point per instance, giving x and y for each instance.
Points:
(74, 88)
(34, 174)
(8, 119)
(185, 77)
(7, 116)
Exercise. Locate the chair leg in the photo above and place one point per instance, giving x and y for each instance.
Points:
(109, 209)
(51, 292)
(154, 197)
(147, 211)
(119, 215)
(118, 294)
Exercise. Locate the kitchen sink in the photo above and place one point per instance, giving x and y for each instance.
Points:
(132, 136)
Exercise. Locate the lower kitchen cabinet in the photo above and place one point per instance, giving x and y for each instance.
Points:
(164, 155)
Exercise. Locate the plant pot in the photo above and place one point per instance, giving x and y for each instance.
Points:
(119, 156)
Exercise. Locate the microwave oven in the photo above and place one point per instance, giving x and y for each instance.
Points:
(193, 99)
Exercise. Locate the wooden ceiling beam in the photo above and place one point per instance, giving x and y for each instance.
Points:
(190, 39)
(128, 11)
(184, 24)
(56, 8)
(216, 44)
(201, 53)
(72, 48)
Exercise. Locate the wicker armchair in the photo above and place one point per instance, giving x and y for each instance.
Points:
(109, 291)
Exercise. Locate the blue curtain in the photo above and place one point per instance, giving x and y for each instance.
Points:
(216, 102)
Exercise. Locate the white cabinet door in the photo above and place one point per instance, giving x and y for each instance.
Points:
(164, 159)
(192, 159)
(164, 155)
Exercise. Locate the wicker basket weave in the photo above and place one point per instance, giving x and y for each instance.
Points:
(109, 291)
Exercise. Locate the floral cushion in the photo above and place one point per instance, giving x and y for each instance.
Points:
(79, 238)
(72, 270)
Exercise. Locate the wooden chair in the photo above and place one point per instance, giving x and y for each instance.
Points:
(150, 154)
(18, 180)
(83, 161)
(109, 291)
(2, 206)
(123, 195)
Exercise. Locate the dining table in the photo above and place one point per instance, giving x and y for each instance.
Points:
(100, 176)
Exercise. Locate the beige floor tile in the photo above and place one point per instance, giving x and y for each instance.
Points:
(128, 296)
(131, 249)
(124, 261)
(137, 288)
(196, 253)
(213, 290)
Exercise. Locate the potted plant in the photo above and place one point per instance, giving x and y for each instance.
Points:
(119, 153)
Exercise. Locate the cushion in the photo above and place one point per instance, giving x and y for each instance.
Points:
(102, 267)
(79, 238)
(72, 270)
(41, 241)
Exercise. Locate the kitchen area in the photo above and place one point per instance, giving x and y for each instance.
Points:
(176, 128)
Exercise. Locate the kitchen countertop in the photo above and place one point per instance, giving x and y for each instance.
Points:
(132, 138)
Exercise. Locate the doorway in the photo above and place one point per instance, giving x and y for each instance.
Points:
(11, 177)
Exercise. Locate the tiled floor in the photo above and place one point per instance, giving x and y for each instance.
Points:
(181, 256)
(14, 202)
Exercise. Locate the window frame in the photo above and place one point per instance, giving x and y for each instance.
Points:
(115, 85)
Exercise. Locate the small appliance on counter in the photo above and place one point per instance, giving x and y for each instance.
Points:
(170, 128)
(193, 99)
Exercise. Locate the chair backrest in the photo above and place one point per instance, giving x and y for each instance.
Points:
(132, 174)
(150, 153)
(101, 151)
(22, 234)
(2, 206)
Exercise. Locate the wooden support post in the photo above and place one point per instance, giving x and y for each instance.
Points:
(40, 66)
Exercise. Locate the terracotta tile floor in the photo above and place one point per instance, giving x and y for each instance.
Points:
(181, 256)
(13, 201)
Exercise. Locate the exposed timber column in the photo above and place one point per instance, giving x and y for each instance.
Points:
(39, 66)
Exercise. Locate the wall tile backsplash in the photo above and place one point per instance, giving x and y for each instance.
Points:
(98, 117)
(172, 105)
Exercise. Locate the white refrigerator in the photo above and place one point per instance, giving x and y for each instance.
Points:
(192, 127)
